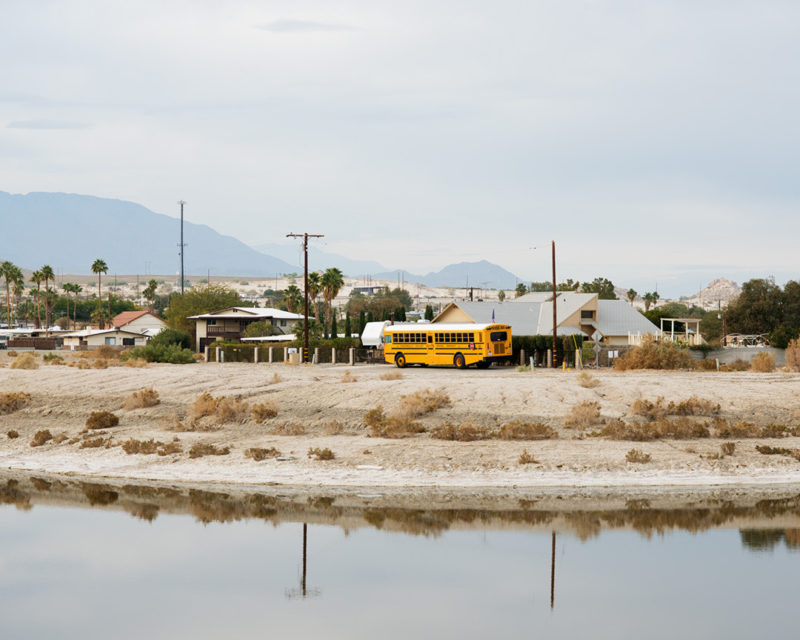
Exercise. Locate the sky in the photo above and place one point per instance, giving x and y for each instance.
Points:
(655, 142)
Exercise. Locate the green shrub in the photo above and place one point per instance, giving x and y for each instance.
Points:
(171, 336)
(170, 353)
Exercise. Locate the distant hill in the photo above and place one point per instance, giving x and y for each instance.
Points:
(474, 274)
(70, 231)
(320, 260)
(718, 292)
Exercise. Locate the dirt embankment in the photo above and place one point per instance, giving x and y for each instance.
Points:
(258, 423)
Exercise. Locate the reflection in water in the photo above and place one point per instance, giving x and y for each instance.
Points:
(303, 591)
(553, 572)
(765, 519)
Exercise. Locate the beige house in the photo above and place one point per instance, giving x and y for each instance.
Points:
(139, 322)
(100, 337)
(228, 324)
(615, 322)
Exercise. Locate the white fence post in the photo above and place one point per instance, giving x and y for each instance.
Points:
(352, 356)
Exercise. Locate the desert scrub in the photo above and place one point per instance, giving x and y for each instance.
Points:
(258, 453)
(520, 430)
(321, 454)
(384, 426)
(52, 358)
(527, 458)
(94, 443)
(793, 355)
(460, 432)
(41, 437)
(136, 363)
(679, 429)
(693, 406)
(24, 361)
(421, 403)
(652, 354)
(587, 381)
(583, 415)
(264, 411)
(199, 450)
(763, 362)
(101, 420)
(13, 401)
(348, 377)
(391, 375)
(141, 399)
(637, 456)
(288, 429)
(220, 410)
(743, 429)
(12, 434)
(727, 448)
(145, 447)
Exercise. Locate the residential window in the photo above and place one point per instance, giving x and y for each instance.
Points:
(211, 323)
(587, 315)
(283, 323)
(111, 341)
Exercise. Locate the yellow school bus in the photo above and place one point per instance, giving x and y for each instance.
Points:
(457, 345)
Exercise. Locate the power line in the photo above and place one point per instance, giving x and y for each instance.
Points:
(305, 237)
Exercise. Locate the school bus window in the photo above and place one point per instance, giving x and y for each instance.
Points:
(499, 336)
(472, 337)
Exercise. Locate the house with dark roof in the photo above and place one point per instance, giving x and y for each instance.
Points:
(229, 324)
(144, 322)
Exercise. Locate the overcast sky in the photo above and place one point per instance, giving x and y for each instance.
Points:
(650, 140)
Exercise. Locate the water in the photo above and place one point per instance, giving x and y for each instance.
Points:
(715, 568)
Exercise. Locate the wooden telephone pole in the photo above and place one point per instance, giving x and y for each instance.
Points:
(305, 237)
(555, 322)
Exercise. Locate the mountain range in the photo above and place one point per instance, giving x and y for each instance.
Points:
(70, 231)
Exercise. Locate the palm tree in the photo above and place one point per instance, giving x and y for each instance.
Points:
(19, 290)
(11, 273)
(68, 288)
(37, 278)
(631, 295)
(48, 275)
(314, 288)
(332, 281)
(150, 294)
(99, 266)
(76, 289)
(293, 297)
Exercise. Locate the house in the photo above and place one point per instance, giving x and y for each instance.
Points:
(614, 321)
(229, 324)
(100, 337)
(144, 322)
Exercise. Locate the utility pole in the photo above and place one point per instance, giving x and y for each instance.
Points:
(305, 237)
(181, 245)
(555, 326)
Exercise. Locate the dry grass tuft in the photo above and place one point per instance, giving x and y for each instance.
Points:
(289, 429)
(258, 454)
(144, 447)
(460, 433)
(583, 415)
(60, 437)
(519, 430)
(141, 399)
(655, 355)
(793, 355)
(101, 420)
(136, 363)
(727, 448)
(638, 456)
(391, 375)
(24, 361)
(347, 377)
(170, 447)
(199, 450)
(41, 437)
(778, 451)
(384, 426)
(13, 401)
(742, 429)
(680, 429)
(587, 381)
(763, 362)
(220, 410)
(332, 428)
(12, 434)
(321, 454)
(421, 403)
(527, 458)
(94, 443)
(264, 411)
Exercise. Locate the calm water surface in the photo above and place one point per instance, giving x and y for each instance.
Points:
(76, 571)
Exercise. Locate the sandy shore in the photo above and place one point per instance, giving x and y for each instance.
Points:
(324, 407)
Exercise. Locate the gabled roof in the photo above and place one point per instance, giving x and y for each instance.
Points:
(254, 312)
(84, 333)
(121, 319)
(618, 318)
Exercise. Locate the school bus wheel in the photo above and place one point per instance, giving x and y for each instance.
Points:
(400, 360)
(458, 361)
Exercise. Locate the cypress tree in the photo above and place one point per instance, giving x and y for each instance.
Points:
(428, 312)
(334, 329)
(347, 328)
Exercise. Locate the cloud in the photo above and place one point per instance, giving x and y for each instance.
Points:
(47, 124)
(299, 26)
